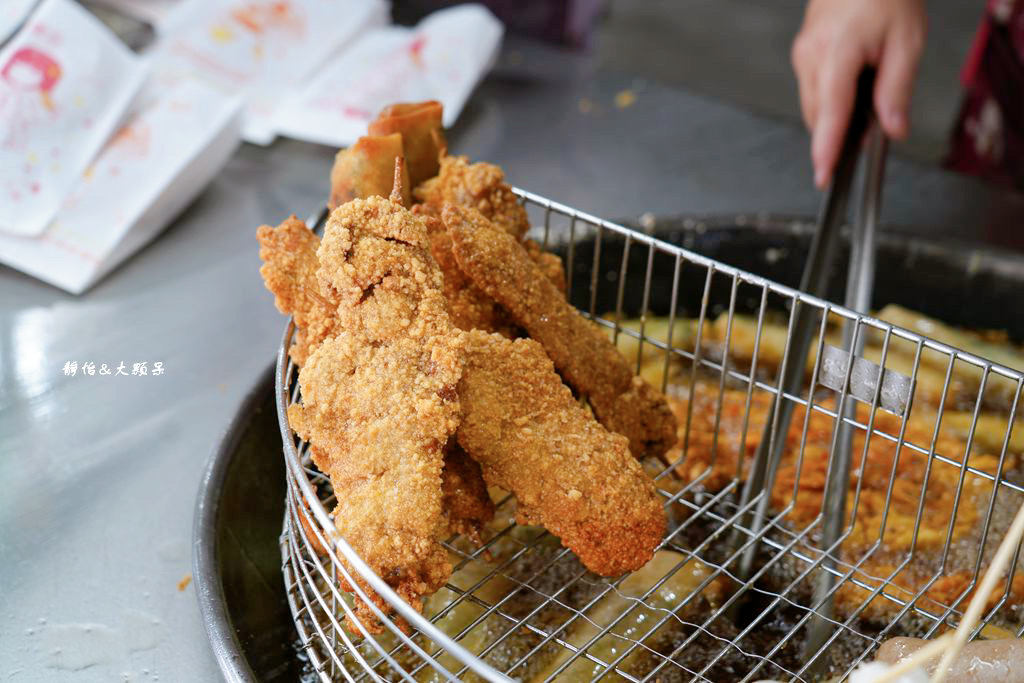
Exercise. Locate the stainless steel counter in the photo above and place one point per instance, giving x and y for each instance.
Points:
(98, 474)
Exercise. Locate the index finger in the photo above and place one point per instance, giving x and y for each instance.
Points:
(837, 86)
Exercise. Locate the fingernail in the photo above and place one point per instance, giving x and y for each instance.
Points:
(897, 122)
(819, 177)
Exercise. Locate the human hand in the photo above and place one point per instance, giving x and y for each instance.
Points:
(837, 40)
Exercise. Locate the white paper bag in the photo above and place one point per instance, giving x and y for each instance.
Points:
(156, 12)
(12, 13)
(65, 84)
(260, 48)
(442, 58)
(181, 134)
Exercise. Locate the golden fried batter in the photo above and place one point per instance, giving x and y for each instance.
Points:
(366, 169)
(379, 400)
(568, 473)
(466, 502)
(419, 124)
(289, 271)
(481, 186)
(469, 307)
(550, 264)
(582, 353)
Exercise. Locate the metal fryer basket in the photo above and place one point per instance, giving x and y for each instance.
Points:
(656, 278)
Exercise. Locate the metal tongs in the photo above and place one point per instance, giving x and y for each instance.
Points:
(864, 127)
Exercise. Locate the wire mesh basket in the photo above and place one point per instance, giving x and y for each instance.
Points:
(935, 481)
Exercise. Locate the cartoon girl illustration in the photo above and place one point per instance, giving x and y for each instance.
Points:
(27, 81)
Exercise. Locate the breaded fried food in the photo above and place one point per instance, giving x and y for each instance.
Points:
(289, 252)
(289, 271)
(581, 351)
(380, 400)
(568, 473)
(419, 124)
(469, 306)
(481, 186)
(366, 169)
(550, 264)
(465, 501)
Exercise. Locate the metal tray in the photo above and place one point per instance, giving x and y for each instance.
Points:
(236, 557)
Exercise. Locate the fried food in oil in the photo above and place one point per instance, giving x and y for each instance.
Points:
(480, 186)
(583, 354)
(380, 400)
(423, 143)
(289, 271)
(799, 486)
(366, 169)
(568, 473)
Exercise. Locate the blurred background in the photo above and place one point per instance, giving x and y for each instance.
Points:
(734, 50)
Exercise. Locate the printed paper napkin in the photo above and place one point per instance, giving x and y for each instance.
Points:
(180, 134)
(442, 58)
(260, 49)
(12, 14)
(65, 84)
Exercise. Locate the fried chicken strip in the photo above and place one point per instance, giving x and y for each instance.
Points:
(466, 503)
(469, 306)
(550, 264)
(289, 271)
(379, 399)
(581, 351)
(568, 473)
(480, 186)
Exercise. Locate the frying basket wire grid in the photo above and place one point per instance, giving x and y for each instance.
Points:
(934, 487)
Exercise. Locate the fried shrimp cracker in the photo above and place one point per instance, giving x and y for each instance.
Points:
(568, 473)
(481, 186)
(289, 271)
(581, 351)
(379, 400)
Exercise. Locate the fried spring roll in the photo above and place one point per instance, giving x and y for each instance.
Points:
(367, 169)
(419, 124)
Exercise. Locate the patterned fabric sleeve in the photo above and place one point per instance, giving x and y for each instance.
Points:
(988, 139)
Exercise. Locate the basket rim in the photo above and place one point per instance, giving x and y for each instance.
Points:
(285, 369)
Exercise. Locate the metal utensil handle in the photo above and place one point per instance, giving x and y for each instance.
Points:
(814, 281)
(859, 286)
